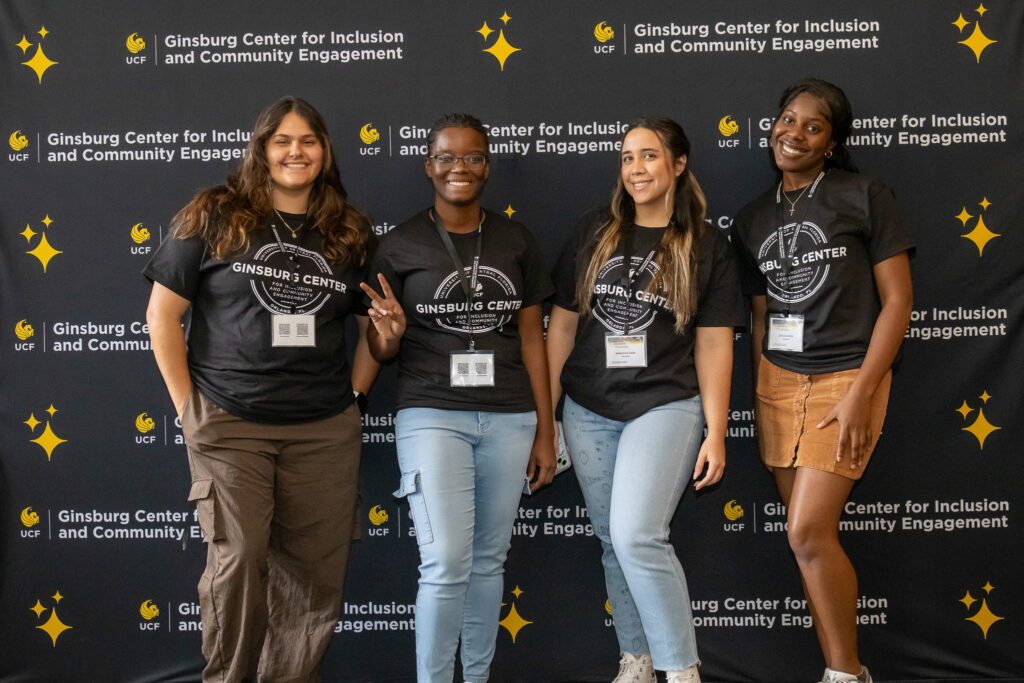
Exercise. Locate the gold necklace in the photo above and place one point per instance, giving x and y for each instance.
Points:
(792, 203)
(295, 231)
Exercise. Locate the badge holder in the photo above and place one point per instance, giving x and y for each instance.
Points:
(293, 330)
(472, 368)
(785, 332)
(625, 350)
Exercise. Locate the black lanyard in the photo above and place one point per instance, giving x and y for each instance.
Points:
(629, 278)
(786, 254)
(468, 282)
(290, 261)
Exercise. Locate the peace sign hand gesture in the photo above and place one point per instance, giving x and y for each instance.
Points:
(385, 313)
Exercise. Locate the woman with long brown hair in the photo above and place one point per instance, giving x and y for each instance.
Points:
(269, 265)
(640, 339)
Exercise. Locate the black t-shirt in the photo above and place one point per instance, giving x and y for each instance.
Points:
(423, 277)
(850, 224)
(670, 374)
(230, 356)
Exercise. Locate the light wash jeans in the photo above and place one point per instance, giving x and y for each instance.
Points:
(463, 473)
(633, 475)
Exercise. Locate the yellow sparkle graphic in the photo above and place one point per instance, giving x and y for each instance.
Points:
(44, 252)
(504, 18)
(513, 623)
(24, 44)
(48, 441)
(28, 233)
(965, 410)
(964, 216)
(977, 41)
(39, 63)
(501, 49)
(42, 31)
(54, 627)
(980, 235)
(38, 609)
(985, 396)
(988, 587)
(981, 10)
(984, 618)
(32, 421)
(968, 600)
(981, 428)
(517, 592)
(960, 23)
(57, 597)
(984, 203)
(51, 410)
(47, 220)
(509, 211)
(485, 30)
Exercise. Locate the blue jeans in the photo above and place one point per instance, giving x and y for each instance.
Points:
(633, 475)
(463, 473)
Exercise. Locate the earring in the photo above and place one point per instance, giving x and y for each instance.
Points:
(828, 154)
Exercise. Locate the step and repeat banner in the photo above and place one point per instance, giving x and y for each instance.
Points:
(114, 114)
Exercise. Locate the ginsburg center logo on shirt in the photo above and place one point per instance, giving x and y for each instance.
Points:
(807, 269)
(495, 301)
(304, 287)
(617, 307)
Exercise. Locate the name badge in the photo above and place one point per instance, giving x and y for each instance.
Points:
(785, 332)
(472, 368)
(625, 350)
(293, 330)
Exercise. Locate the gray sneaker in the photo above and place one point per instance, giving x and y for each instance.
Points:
(635, 669)
(842, 677)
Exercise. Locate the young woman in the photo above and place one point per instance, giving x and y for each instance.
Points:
(640, 339)
(824, 258)
(459, 306)
(270, 265)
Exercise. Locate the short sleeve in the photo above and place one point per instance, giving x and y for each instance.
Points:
(536, 283)
(566, 271)
(720, 303)
(176, 264)
(381, 264)
(889, 235)
(752, 281)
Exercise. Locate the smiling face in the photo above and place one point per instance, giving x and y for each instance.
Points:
(458, 185)
(649, 175)
(294, 159)
(800, 139)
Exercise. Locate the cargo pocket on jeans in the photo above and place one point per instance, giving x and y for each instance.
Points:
(410, 489)
(202, 493)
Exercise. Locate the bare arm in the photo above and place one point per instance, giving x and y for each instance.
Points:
(713, 358)
(163, 315)
(892, 278)
(364, 366)
(541, 468)
(384, 337)
(561, 340)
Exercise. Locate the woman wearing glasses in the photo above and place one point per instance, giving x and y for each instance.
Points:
(459, 306)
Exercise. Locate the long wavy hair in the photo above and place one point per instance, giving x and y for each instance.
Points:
(226, 215)
(840, 118)
(676, 255)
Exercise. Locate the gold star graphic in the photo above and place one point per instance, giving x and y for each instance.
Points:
(980, 429)
(42, 31)
(38, 609)
(485, 30)
(51, 410)
(501, 49)
(985, 396)
(48, 441)
(57, 597)
(54, 626)
(24, 44)
(28, 233)
(39, 63)
(964, 216)
(984, 618)
(44, 252)
(980, 235)
(968, 600)
(964, 410)
(988, 587)
(509, 211)
(517, 592)
(981, 10)
(47, 220)
(504, 18)
(984, 203)
(513, 623)
(32, 421)
(977, 41)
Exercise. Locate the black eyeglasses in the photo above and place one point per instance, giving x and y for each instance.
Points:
(473, 161)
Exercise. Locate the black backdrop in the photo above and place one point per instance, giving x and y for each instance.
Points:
(115, 113)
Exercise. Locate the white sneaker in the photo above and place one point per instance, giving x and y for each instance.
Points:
(832, 676)
(635, 669)
(688, 675)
